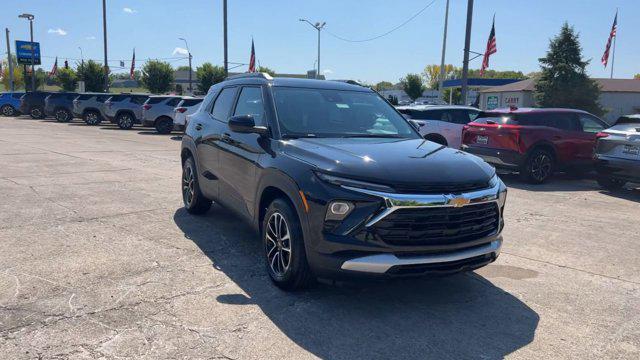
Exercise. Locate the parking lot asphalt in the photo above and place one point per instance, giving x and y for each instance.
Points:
(99, 260)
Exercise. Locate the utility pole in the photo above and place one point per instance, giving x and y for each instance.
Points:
(104, 36)
(444, 50)
(33, 52)
(11, 84)
(226, 58)
(318, 26)
(190, 71)
(467, 44)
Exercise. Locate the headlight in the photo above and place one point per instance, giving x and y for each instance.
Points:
(340, 181)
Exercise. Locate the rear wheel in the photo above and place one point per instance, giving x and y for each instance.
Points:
(63, 115)
(539, 166)
(192, 197)
(36, 112)
(92, 118)
(8, 110)
(610, 183)
(125, 121)
(283, 240)
(164, 125)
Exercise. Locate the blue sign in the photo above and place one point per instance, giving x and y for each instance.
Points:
(23, 52)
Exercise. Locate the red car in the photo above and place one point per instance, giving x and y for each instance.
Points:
(534, 142)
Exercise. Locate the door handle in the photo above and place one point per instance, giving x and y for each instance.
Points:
(198, 127)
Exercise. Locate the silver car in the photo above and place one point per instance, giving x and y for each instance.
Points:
(157, 112)
(125, 110)
(617, 153)
(89, 107)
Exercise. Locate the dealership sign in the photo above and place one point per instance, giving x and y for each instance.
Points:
(492, 102)
(25, 50)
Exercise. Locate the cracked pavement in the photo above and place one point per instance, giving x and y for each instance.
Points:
(98, 260)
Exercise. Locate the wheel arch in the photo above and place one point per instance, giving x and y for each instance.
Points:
(543, 145)
(277, 185)
(155, 122)
(125, 111)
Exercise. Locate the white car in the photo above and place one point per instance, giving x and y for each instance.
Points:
(441, 123)
(183, 109)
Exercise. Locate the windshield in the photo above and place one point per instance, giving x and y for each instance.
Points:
(337, 113)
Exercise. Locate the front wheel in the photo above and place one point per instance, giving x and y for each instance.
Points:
(164, 125)
(194, 201)
(63, 115)
(539, 166)
(36, 112)
(8, 110)
(125, 121)
(92, 118)
(283, 240)
(610, 183)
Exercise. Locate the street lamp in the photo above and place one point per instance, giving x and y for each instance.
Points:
(33, 56)
(318, 26)
(189, 51)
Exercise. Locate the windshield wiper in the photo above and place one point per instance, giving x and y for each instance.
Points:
(390, 136)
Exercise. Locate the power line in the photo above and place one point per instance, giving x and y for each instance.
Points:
(388, 32)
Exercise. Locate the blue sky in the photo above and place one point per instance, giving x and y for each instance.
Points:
(523, 30)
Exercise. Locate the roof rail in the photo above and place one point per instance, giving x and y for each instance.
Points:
(250, 75)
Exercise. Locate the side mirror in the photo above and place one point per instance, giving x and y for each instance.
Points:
(245, 124)
(417, 124)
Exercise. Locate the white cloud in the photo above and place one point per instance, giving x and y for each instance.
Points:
(90, 38)
(129, 10)
(57, 31)
(180, 51)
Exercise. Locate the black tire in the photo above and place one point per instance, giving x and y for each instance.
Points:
(92, 118)
(539, 166)
(289, 270)
(436, 139)
(125, 121)
(8, 110)
(63, 115)
(610, 183)
(194, 202)
(36, 112)
(164, 125)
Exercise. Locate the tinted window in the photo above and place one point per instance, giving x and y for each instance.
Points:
(138, 99)
(17, 95)
(250, 103)
(191, 102)
(173, 102)
(590, 124)
(156, 100)
(562, 121)
(337, 113)
(427, 114)
(85, 97)
(117, 98)
(495, 118)
(459, 116)
(222, 106)
(102, 98)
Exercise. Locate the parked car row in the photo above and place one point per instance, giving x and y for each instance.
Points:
(125, 110)
(537, 142)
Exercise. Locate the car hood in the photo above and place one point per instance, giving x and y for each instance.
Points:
(394, 162)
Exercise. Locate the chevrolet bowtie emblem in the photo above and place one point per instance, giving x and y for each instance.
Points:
(458, 201)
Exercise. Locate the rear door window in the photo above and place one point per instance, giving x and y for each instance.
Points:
(222, 105)
(139, 100)
(156, 100)
(427, 114)
(459, 116)
(173, 102)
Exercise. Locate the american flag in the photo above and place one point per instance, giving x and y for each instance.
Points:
(612, 34)
(54, 69)
(252, 60)
(491, 47)
(133, 66)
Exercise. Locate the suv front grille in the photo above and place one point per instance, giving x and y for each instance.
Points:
(437, 225)
(441, 189)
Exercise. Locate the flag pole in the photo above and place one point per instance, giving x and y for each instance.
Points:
(613, 55)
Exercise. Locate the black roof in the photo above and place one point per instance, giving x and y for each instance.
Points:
(296, 82)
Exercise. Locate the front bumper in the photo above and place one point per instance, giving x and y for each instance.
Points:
(507, 159)
(355, 247)
(624, 169)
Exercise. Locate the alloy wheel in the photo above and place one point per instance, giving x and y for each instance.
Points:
(278, 244)
(36, 113)
(541, 167)
(125, 122)
(188, 186)
(62, 116)
(92, 118)
(7, 110)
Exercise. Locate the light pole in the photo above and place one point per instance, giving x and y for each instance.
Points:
(104, 35)
(11, 83)
(318, 26)
(190, 71)
(33, 51)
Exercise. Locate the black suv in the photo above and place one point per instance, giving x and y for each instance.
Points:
(338, 183)
(32, 103)
(60, 106)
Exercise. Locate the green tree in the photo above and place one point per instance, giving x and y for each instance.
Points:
(208, 75)
(636, 76)
(412, 85)
(18, 77)
(157, 76)
(383, 85)
(563, 81)
(183, 68)
(432, 74)
(264, 69)
(92, 74)
(67, 78)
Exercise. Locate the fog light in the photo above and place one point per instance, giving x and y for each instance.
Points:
(338, 210)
